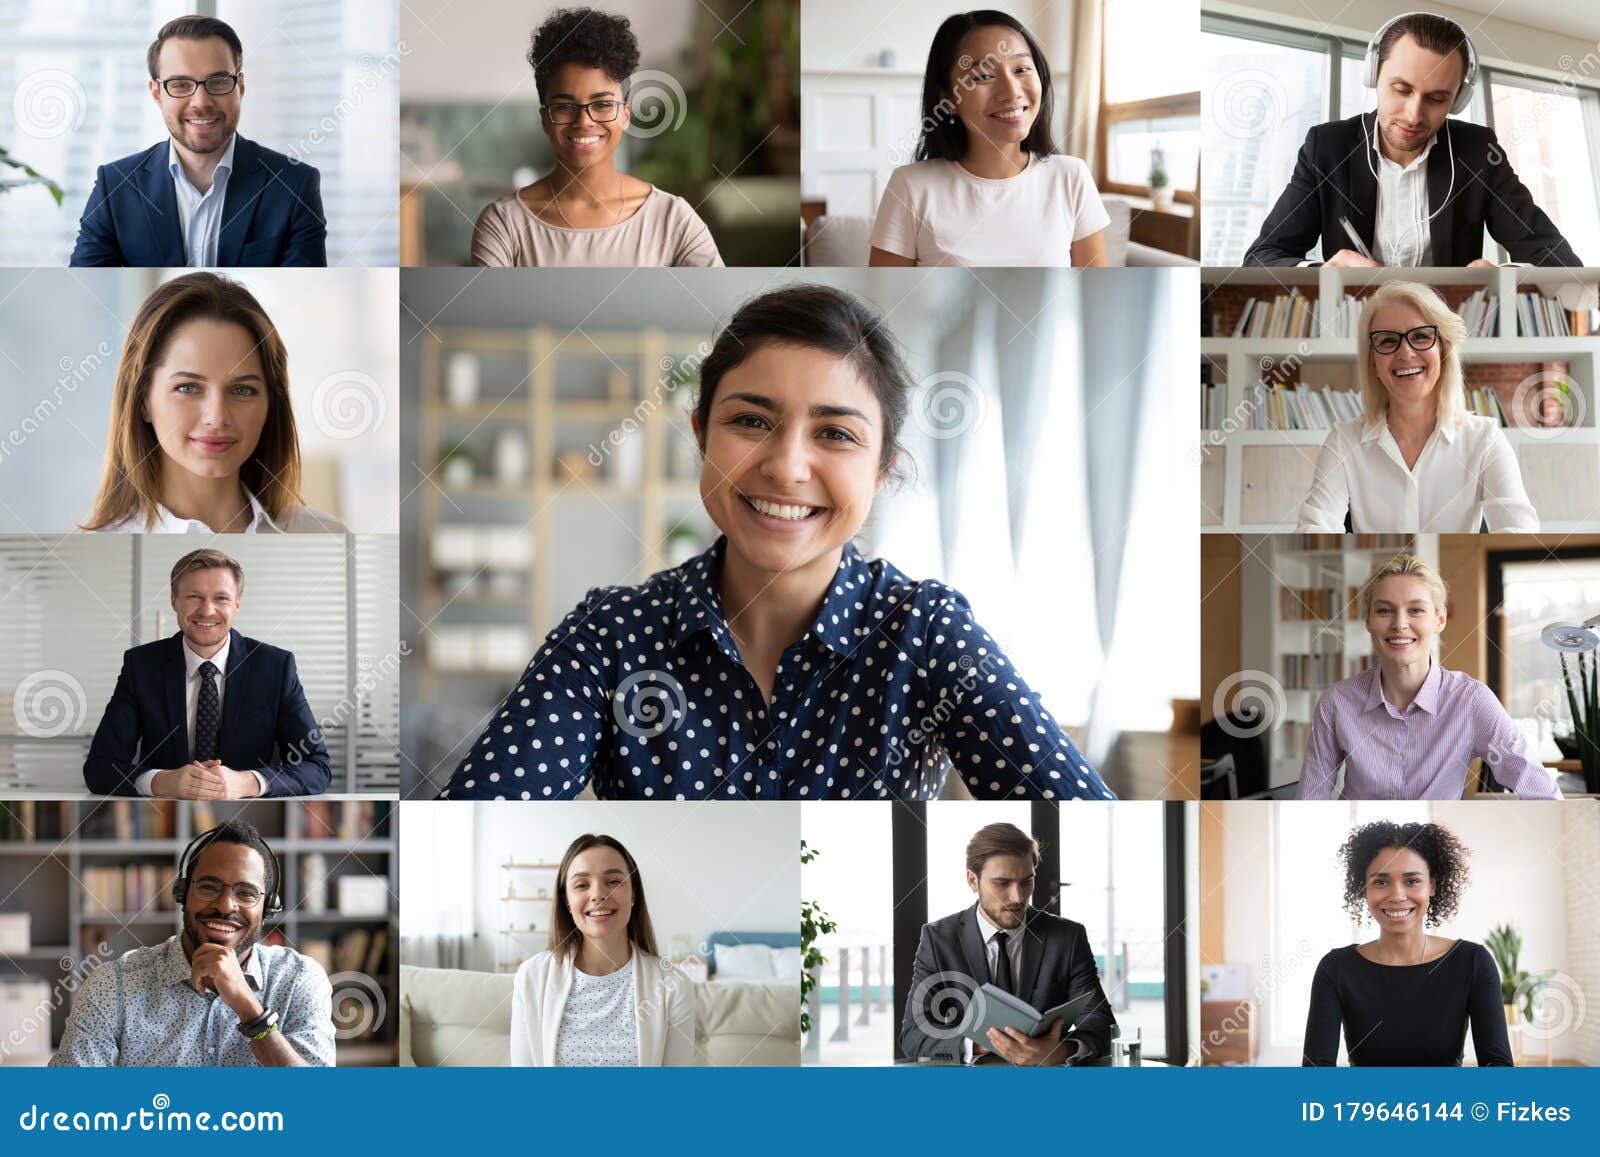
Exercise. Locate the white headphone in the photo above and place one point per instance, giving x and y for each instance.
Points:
(1369, 76)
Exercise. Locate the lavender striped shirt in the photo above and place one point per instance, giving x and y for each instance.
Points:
(1421, 753)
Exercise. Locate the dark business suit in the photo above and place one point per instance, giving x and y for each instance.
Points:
(266, 725)
(271, 213)
(1332, 178)
(1057, 965)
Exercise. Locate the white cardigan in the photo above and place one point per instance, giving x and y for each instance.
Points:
(664, 1008)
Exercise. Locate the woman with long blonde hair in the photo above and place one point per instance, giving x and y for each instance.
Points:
(1416, 460)
(202, 436)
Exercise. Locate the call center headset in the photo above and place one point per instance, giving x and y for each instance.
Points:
(1369, 77)
(272, 904)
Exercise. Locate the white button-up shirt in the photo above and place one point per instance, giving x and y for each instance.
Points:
(191, 705)
(200, 214)
(1401, 236)
(1465, 475)
(299, 520)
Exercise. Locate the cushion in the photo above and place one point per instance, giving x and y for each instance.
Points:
(743, 961)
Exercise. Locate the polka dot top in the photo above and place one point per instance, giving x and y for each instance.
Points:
(893, 687)
(598, 1025)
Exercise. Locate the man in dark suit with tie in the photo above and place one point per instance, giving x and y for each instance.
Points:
(1001, 940)
(207, 713)
(1415, 187)
(206, 196)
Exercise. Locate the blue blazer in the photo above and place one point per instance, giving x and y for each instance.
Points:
(271, 213)
(267, 725)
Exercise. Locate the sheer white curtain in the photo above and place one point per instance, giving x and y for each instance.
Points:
(438, 868)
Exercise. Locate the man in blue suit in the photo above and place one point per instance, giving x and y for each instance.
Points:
(206, 196)
(208, 713)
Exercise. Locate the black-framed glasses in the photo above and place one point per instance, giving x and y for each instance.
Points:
(1386, 341)
(245, 895)
(565, 112)
(220, 85)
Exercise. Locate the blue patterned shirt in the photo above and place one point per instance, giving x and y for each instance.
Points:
(642, 690)
(142, 1009)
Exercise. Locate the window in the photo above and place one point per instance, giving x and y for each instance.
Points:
(1542, 129)
(1532, 590)
(1150, 97)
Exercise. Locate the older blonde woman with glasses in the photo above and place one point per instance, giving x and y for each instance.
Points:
(1406, 728)
(1415, 460)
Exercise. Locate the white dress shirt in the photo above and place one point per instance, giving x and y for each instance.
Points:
(191, 706)
(200, 214)
(991, 954)
(299, 520)
(1465, 475)
(1402, 235)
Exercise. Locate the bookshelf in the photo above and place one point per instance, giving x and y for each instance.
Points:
(1302, 622)
(1253, 480)
(528, 888)
(67, 863)
(532, 439)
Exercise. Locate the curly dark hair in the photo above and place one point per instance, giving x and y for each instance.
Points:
(1445, 855)
(584, 36)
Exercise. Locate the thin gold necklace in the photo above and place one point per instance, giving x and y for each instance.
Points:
(621, 204)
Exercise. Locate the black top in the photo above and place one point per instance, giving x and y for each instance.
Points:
(1407, 1014)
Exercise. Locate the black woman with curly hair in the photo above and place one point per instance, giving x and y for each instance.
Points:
(585, 211)
(1405, 998)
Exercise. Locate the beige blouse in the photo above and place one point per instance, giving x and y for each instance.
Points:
(664, 231)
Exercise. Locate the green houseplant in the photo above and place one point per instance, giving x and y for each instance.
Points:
(1583, 700)
(31, 176)
(1504, 943)
(814, 924)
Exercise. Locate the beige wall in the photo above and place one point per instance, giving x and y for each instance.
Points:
(1219, 614)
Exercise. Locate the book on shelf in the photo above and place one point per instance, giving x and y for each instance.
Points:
(1541, 316)
(1213, 406)
(1483, 401)
(345, 819)
(125, 820)
(30, 820)
(1320, 671)
(1314, 604)
(1284, 315)
(1299, 407)
(1395, 542)
(125, 888)
(1480, 312)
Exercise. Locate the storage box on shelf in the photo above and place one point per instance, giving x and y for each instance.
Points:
(1267, 401)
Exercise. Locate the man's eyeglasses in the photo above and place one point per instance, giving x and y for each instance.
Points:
(245, 895)
(1386, 341)
(565, 112)
(220, 85)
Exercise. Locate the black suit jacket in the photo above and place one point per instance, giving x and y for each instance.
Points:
(1332, 178)
(266, 726)
(271, 212)
(1057, 965)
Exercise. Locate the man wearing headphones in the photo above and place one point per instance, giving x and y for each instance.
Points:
(1383, 189)
(212, 995)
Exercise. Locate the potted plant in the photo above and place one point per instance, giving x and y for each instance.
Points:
(1504, 943)
(1583, 700)
(814, 924)
(30, 176)
(1160, 185)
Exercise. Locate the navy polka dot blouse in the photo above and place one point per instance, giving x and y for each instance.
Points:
(892, 688)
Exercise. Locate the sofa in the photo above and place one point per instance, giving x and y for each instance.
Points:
(450, 1017)
(848, 240)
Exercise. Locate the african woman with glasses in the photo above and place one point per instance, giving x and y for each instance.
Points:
(585, 212)
(1415, 460)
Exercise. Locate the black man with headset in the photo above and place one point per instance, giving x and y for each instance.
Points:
(213, 994)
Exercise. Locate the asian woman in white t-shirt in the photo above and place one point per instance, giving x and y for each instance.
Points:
(988, 187)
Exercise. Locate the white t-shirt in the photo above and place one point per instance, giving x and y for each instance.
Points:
(597, 1026)
(940, 214)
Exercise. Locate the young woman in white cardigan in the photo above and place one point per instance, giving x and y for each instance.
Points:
(599, 995)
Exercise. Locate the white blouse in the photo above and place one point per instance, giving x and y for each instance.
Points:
(295, 520)
(597, 1025)
(1465, 475)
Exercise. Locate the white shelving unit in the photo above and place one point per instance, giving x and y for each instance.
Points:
(1267, 637)
(524, 920)
(1252, 481)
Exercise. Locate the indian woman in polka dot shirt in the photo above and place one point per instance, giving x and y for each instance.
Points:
(780, 664)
